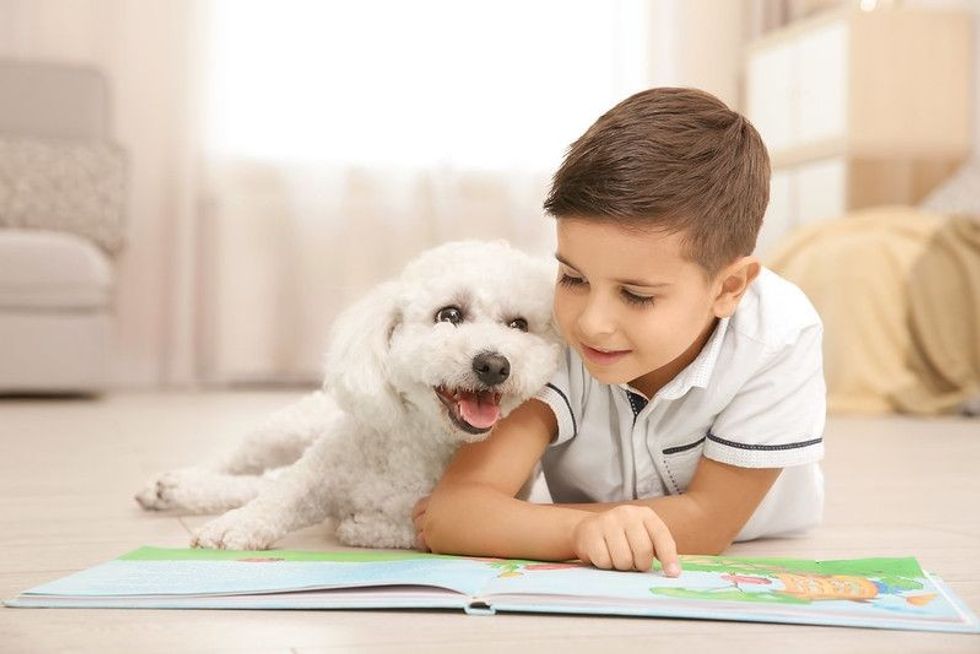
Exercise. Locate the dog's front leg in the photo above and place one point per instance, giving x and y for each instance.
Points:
(241, 476)
(199, 490)
(300, 497)
(284, 436)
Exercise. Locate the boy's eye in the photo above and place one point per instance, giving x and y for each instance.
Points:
(630, 298)
(568, 280)
(637, 300)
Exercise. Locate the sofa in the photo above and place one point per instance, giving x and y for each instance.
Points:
(62, 188)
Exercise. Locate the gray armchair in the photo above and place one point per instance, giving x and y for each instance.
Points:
(62, 185)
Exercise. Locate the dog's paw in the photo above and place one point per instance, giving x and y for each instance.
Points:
(372, 531)
(158, 495)
(167, 490)
(235, 530)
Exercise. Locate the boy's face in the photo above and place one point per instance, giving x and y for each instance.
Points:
(633, 307)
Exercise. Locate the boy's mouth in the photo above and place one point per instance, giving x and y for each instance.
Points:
(475, 412)
(603, 357)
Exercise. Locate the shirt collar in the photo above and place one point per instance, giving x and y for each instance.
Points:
(698, 372)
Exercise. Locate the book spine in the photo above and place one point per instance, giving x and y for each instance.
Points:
(479, 607)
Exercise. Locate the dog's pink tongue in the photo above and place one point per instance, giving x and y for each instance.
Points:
(478, 409)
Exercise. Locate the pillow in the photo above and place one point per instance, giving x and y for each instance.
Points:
(959, 195)
(70, 186)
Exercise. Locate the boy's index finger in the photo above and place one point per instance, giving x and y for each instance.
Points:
(664, 547)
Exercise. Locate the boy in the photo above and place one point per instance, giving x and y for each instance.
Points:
(688, 411)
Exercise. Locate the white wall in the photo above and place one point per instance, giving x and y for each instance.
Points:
(698, 43)
(972, 6)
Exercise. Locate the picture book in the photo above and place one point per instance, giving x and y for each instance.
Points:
(886, 593)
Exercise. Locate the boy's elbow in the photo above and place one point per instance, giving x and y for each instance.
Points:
(720, 543)
(717, 547)
(704, 540)
(713, 532)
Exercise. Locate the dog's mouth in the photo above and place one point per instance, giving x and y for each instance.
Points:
(475, 412)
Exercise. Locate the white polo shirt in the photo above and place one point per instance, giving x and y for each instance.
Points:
(754, 397)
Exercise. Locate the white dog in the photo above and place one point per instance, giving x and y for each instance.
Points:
(421, 365)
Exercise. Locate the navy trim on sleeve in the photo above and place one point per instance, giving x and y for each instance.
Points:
(683, 448)
(769, 448)
(568, 404)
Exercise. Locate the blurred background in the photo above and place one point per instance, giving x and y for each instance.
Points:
(191, 190)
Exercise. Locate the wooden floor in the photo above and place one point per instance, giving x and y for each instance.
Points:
(68, 470)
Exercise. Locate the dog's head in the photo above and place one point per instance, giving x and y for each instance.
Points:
(460, 339)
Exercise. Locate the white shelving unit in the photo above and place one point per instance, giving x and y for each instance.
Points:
(859, 109)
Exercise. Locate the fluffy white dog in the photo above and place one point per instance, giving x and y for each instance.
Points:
(422, 364)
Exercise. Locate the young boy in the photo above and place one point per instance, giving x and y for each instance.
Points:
(688, 411)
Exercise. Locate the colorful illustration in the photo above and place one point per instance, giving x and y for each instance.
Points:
(889, 593)
(803, 582)
(514, 567)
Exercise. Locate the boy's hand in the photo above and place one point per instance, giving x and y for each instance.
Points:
(418, 518)
(626, 537)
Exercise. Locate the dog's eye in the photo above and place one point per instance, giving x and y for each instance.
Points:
(518, 323)
(449, 314)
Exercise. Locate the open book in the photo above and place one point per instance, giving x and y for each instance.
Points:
(889, 593)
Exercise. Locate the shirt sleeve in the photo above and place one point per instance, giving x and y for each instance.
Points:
(777, 418)
(564, 395)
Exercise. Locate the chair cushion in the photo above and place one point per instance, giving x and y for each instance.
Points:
(64, 185)
(52, 270)
(53, 100)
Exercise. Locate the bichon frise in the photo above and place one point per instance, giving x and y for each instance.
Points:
(422, 364)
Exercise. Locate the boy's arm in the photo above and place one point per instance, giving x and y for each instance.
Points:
(473, 509)
(708, 516)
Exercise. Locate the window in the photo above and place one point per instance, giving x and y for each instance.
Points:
(497, 85)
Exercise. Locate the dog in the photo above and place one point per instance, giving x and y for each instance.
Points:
(424, 363)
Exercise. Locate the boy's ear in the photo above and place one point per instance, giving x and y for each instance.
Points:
(732, 282)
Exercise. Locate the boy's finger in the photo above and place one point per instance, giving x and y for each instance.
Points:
(619, 549)
(665, 549)
(599, 555)
(641, 545)
(420, 506)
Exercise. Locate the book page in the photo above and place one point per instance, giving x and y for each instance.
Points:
(862, 591)
(161, 572)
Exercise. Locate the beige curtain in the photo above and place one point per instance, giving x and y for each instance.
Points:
(288, 246)
(236, 263)
(368, 132)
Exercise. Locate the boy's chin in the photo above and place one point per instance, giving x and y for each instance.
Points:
(605, 374)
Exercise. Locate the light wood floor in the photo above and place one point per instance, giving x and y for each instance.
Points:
(68, 469)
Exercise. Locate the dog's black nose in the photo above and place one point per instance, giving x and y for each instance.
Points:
(491, 368)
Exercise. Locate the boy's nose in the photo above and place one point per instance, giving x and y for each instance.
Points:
(595, 322)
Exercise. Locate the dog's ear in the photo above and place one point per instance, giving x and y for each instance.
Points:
(357, 358)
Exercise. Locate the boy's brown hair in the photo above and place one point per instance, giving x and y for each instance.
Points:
(671, 159)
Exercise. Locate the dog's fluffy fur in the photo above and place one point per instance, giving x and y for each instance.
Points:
(399, 371)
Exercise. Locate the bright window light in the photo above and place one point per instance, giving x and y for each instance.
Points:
(502, 84)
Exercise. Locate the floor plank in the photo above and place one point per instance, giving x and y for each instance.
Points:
(895, 487)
